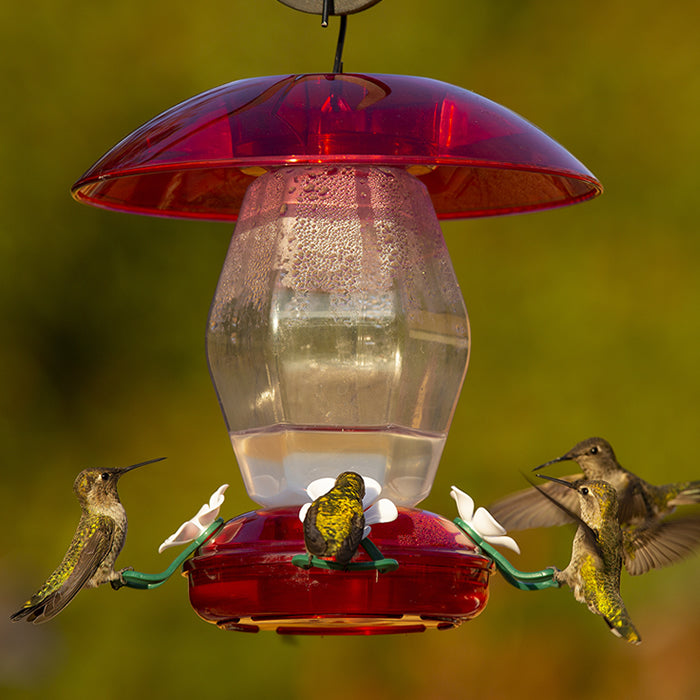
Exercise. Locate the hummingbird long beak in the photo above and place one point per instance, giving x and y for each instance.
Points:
(563, 482)
(123, 470)
(563, 458)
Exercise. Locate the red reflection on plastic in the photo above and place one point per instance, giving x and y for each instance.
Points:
(243, 579)
(196, 160)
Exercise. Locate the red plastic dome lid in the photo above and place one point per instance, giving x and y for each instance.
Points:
(196, 160)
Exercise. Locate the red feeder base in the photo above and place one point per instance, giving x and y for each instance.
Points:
(243, 578)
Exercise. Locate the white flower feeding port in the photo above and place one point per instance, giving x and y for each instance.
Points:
(338, 337)
(482, 522)
(195, 527)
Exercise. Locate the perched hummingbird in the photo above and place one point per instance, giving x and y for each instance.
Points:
(89, 561)
(593, 574)
(335, 522)
(639, 501)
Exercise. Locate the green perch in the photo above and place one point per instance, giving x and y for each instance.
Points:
(524, 580)
(136, 579)
(378, 563)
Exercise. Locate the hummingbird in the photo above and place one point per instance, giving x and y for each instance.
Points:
(97, 542)
(593, 574)
(334, 524)
(640, 502)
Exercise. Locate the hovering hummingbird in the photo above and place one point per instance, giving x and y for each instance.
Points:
(89, 561)
(335, 522)
(639, 501)
(593, 574)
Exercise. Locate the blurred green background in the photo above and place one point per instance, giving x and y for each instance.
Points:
(584, 322)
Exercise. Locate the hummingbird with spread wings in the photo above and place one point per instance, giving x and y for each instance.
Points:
(642, 507)
(593, 573)
(98, 540)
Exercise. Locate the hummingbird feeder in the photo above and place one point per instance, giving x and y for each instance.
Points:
(338, 338)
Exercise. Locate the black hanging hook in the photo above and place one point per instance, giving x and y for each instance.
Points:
(338, 63)
(326, 8)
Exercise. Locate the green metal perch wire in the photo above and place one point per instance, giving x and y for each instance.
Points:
(136, 579)
(378, 563)
(524, 580)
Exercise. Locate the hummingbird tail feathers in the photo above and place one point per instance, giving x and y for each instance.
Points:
(621, 626)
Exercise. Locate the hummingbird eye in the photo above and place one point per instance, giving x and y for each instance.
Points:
(584, 491)
(104, 476)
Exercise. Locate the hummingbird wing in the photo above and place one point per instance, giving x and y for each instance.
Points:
(313, 538)
(659, 543)
(76, 569)
(526, 509)
(633, 503)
